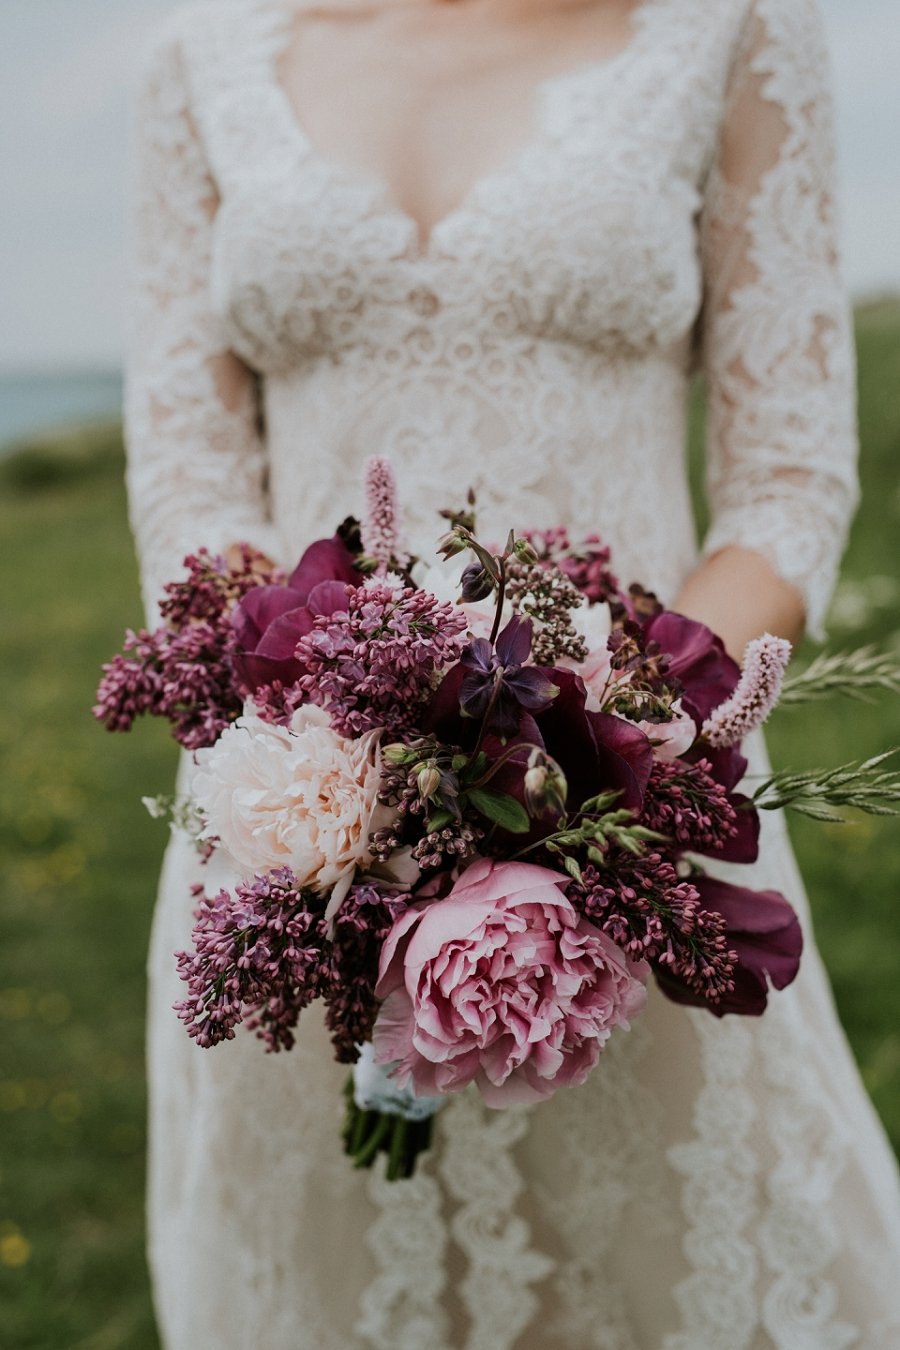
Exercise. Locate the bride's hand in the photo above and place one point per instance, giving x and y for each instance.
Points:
(739, 596)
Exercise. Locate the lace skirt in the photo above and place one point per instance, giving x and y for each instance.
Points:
(715, 1185)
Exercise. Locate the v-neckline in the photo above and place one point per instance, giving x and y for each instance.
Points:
(423, 244)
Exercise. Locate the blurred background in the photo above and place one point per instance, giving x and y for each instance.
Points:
(78, 855)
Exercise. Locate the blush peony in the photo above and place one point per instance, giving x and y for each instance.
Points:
(301, 797)
(503, 984)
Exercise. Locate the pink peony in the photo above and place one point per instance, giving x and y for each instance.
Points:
(503, 984)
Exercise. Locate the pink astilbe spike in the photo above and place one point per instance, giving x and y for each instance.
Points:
(765, 662)
(381, 524)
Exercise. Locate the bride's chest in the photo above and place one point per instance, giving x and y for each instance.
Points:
(586, 234)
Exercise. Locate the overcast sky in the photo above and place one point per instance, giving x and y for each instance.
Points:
(66, 72)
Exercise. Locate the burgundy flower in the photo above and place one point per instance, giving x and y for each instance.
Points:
(596, 751)
(498, 684)
(271, 620)
(698, 659)
(764, 932)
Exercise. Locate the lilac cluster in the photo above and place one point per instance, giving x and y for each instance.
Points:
(259, 955)
(371, 665)
(416, 788)
(214, 584)
(183, 677)
(452, 843)
(543, 593)
(182, 672)
(653, 915)
(360, 926)
(684, 802)
(586, 564)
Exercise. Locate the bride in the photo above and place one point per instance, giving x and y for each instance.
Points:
(492, 240)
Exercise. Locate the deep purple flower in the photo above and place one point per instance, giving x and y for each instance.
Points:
(728, 767)
(596, 751)
(498, 685)
(764, 932)
(698, 659)
(269, 622)
(475, 584)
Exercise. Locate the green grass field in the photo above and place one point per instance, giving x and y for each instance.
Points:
(79, 858)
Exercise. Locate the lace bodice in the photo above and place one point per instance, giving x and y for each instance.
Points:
(673, 205)
(671, 209)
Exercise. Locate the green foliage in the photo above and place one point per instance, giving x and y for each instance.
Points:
(79, 857)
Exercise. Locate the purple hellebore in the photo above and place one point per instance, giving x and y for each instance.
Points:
(498, 685)
(270, 620)
(762, 928)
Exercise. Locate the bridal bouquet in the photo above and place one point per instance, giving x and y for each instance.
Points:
(469, 813)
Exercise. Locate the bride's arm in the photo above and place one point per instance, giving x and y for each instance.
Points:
(777, 343)
(196, 462)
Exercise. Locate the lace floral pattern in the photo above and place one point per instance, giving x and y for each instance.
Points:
(288, 322)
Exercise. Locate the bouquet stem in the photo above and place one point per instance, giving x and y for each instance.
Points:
(368, 1133)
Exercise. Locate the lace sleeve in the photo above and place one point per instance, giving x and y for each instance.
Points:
(777, 339)
(196, 462)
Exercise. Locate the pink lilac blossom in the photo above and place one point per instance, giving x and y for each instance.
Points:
(501, 983)
(183, 677)
(259, 955)
(380, 525)
(359, 929)
(372, 665)
(651, 914)
(586, 564)
(765, 661)
(182, 672)
(684, 802)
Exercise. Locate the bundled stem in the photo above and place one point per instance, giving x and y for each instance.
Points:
(368, 1133)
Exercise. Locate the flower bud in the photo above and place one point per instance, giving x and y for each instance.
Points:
(428, 780)
(397, 753)
(525, 552)
(476, 584)
(449, 545)
(545, 786)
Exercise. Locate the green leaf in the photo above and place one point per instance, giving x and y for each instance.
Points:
(473, 769)
(502, 809)
(573, 869)
(440, 819)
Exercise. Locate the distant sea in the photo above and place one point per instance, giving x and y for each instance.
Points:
(35, 402)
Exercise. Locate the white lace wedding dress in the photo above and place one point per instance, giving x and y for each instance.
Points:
(715, 1185)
